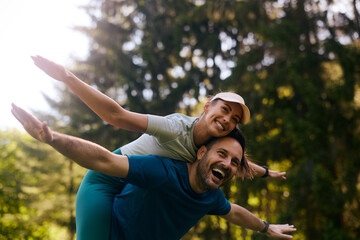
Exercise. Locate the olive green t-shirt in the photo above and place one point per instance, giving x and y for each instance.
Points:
(170, 136)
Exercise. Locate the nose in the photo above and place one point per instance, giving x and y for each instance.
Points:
(227, 162)
(226, 119)
(226, 166)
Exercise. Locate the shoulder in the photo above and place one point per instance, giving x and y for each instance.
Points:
(169, 125)
(181, 117)
(173, 116)
(181, 120)
(154, 170)
(153, 165)
(139, 160)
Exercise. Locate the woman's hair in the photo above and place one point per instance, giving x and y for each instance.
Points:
(211, 103)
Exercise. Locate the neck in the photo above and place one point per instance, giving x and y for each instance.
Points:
(200, 133)
(193, 180)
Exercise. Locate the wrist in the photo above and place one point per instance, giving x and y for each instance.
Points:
(68, 77)
(266, 227)
(53, 138)
(266, 174)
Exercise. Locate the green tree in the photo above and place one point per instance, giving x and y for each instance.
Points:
(295, 63)
(35, 201)
(303, 88)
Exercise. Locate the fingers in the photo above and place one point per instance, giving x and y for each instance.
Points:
(22, 116)
(54, 70)
(278, 230)
(41, 61)
(16, 111)
(283, 175)
(36, 60)
(285, 229)
(20, 113)
(15, 114)
(288, 228)
(278, 175)
(285, 236)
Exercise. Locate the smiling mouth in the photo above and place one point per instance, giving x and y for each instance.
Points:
(219, 174)
(219, 124)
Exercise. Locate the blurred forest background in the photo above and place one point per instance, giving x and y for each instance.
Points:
(297, 65)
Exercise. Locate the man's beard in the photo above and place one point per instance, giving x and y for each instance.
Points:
(203, 175)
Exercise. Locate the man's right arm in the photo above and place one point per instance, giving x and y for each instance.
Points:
(87, 154)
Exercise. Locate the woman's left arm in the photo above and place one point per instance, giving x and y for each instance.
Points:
(259, 171)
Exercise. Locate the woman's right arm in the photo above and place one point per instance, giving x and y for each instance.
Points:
(105, 107)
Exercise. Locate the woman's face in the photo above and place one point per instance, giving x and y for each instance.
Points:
(221, 117)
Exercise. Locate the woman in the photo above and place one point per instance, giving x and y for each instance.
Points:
(175, 136)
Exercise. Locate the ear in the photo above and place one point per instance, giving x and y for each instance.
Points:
(201, 152)
(206, 106)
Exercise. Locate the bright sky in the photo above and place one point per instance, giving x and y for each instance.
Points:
(36, 27)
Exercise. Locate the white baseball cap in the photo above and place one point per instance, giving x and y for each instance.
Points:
(233, 97)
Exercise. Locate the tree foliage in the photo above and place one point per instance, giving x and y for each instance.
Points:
(296, 63)
(35, 197)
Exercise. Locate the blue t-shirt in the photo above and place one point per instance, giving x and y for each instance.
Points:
(158, 203)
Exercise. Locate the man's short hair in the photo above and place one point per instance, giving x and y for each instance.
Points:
(239, 136)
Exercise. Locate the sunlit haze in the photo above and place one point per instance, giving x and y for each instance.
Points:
(36, 27)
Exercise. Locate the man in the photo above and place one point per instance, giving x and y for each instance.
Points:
(164, 198)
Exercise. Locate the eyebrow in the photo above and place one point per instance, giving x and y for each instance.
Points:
(222, 149)
(226, 151)
(236, 115)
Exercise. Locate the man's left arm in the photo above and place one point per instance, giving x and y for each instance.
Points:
(242, 217)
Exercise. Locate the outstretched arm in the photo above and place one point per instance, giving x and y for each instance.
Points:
(87, 154)
(242, 217)
(105, 107)
(261, 171)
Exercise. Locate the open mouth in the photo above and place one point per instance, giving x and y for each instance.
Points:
(219, 174)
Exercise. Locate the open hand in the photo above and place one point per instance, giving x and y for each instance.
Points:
(276, 174)
(51, 68)
(278, 230)
(33, 126)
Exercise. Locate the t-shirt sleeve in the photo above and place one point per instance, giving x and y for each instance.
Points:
(147, 171)
(163, 128)
(222, 205)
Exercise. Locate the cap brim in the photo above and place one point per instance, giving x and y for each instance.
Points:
(246, 114)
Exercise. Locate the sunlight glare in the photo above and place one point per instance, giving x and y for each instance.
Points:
(37, 27)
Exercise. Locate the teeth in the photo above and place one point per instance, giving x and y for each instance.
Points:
(219, 171)
(219, 125)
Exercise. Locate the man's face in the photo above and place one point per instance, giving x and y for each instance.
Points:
(222, 117)
(219, 163)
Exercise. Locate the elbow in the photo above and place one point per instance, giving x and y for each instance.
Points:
(114, 165)
(104, 164)
(115, 117)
